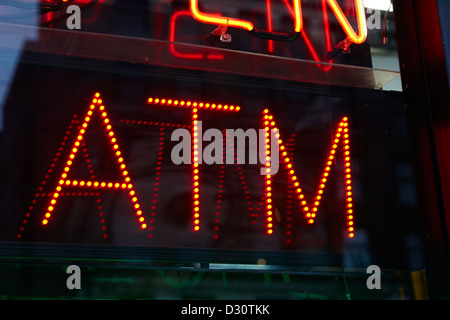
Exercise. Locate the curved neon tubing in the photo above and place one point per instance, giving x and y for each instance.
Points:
(218, 20)
(354, 37)
(343, 21)
(240, 23)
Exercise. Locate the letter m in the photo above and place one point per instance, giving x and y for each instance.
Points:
(240, 136)
(341, 137)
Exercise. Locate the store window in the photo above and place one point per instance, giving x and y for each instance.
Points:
(139, 134)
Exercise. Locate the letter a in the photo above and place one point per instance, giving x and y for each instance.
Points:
(74, 280)
(122, 184)
(374, 281)
(374, 20)
(74, 21)
(215, 147)
(181, 153)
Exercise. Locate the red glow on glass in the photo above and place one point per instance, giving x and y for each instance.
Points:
(172, 38)
(73, 122)
(296, 11)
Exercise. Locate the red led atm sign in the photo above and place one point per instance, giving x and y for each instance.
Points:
(91, 185)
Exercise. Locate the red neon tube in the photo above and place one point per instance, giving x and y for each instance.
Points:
(343, 21)
(216, 19)
(354, 37)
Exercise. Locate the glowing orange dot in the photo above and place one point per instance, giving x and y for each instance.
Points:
(44, 222)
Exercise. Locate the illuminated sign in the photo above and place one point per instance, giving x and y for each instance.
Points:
(124, 184)
(94, 187)
(172, 38)
(342, 136)
(352, 36)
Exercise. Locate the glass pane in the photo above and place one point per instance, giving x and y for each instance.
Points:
(105, 119)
